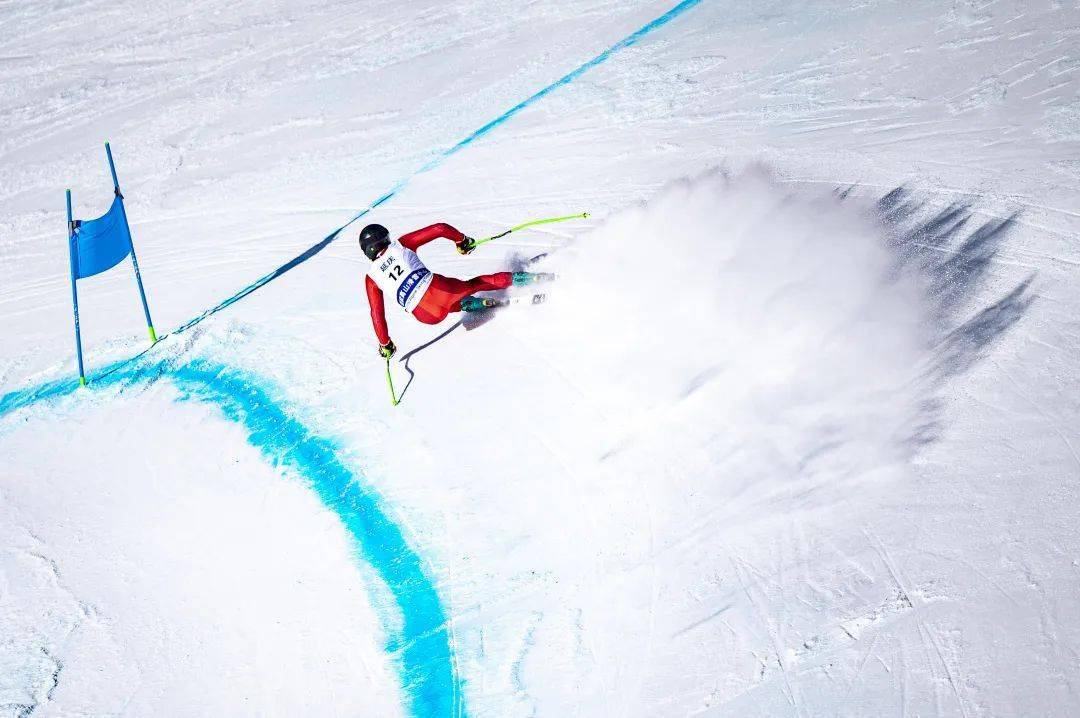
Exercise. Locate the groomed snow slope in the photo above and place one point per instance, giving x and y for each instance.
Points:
(786, 439)
(198, 581)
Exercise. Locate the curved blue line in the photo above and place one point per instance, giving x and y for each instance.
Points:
(419, 643)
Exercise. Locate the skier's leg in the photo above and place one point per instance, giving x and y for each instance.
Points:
(483, 283)
(440, 299)
(446, 294)
(489, 282)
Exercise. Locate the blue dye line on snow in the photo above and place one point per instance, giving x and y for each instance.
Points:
(442, 156)
(420, 644)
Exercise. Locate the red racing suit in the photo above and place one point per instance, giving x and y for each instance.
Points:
(443, 295)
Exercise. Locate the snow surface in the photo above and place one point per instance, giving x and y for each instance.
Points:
(797, 432)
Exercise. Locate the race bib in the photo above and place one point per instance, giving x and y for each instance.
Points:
(401, 274)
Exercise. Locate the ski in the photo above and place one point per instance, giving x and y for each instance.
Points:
(479, 304)
(539, 298)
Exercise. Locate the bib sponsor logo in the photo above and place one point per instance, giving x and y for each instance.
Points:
(409, 285)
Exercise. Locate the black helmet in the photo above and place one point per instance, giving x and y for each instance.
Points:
(373, 240)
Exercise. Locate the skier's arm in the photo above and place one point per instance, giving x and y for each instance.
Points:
(416, 240)
(378, 311)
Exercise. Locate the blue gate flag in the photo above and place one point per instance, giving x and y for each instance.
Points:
(98, 245)
(102, 243)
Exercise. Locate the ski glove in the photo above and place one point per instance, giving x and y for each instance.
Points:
(466, 245)
(387, 350)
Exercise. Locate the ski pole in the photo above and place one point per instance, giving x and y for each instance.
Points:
(532, 223)
(390, 383)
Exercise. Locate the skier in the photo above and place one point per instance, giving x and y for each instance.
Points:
(395, 269)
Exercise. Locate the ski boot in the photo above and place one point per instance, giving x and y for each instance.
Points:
(477, 304)
(522, 279)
